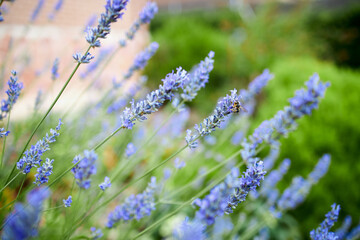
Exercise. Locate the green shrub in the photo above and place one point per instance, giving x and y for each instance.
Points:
(334, 128)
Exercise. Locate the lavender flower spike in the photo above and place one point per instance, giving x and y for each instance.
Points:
(85, 168)
(145, 16)
(198, 77)
(32, 156)
(190, 230)
(216, 202)
(44, 172)
(67, 202)
(323, 231)
(37, 10)
(248, 182)
(320, 169)
(3, 133)
(135, 207)
(23, 222)
(82, 59)
(113, 11)
(13, 93)
(154, 100)
(142, 59)
(106, 184)
(228, 105)
(56, 9)
(55, 69)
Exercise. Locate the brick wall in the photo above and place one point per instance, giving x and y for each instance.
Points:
(36, 45)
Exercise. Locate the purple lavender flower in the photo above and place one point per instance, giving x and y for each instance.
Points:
(135, 207)
(320, 169)
(228, 105)
(96, 233)
(13, 93)
(56, 9)
(145, 16)
(85, 168)
(323, 231)
(3, 133)
(248, 182)
(67, 202)
(284, 121)
(199, 76)
(38, 100)
(1, 17)
(93, 65)
(354, 233)
(113, 11)
(148, 12)
(343, 230)
(32, 156)
(294, 194)
(55, 69)
(179, 164)
(237, 137)
(106, 184)
(154, 100)
(142, 59)
(37, 10)
(44, 172)
(189, 230)
(216, 202)
(268, 188)
(82, 59)
(270, 159)
(130, 149)
(23, 222)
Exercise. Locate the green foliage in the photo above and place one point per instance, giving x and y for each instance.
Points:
(339, 32)
(334, 128)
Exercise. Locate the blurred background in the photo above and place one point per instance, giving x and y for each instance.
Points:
(293, 39)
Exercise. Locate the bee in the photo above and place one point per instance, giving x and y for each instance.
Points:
(236, 107)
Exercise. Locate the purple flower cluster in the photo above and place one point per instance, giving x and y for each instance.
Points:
(106, 184)
(67, 202)
(199, 76)
(228, 105)
(135, 207)
(130, 149)
(13, 94)
(216, 202)
(323, 231)
(96, 233)
(86, 166)
(256, 85)
(142, 59)
(55, 69)
(154, 100)
(284, 121)
(268, 188)
(145, 16)
(342, 231)
(23, 222)
(189, 230)
(113, 11)
(56, 9)
(37, 10)
(3, 133)
(82, 58)
(44, 172)
(300, 187)
(248, 182)
(32, 156)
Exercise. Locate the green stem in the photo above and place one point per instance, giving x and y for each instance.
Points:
(53, 208)
(47, 113)
(7, 184)
(208, 188)
(125, 187)
(4, 144)
(95, 78)
(21, 186)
